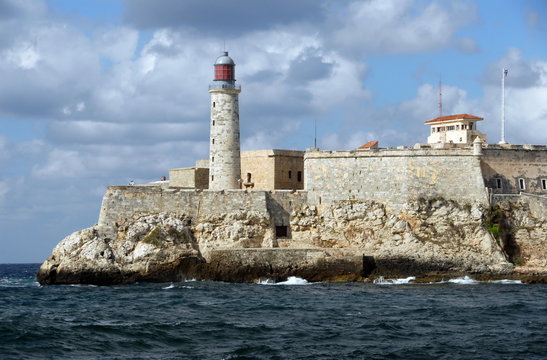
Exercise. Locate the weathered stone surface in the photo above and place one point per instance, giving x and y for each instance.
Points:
(147, 248)
(341, 240)
(427, 235)
(524, 232)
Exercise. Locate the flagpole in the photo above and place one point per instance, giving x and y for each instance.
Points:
(503, 75)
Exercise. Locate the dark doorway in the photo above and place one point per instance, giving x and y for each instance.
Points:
(281, 231)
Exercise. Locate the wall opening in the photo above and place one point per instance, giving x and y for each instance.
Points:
(212, 159)
(213, 104)
(299, 176)
(213, 122)
(522, 184)
(281, 231)
(249, 175)
(213, 141)
(543, 184)
(212, 177)
(498, 183)
(290, 174)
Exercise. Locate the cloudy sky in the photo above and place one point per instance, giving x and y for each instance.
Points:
(95, 93)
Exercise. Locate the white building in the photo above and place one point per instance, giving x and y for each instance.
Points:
(457, 129)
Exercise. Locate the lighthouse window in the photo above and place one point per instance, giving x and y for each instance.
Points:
(290, 174)
(212, 159)
(213, 122)
(522, 184)
(544, 184)
(213, 141)
(212, 177)
(299, 176)
(213, 104)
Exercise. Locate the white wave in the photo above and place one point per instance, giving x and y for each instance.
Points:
(292, 280)
(466, 280)
(169, 287)
(506, 281)
(381, 281)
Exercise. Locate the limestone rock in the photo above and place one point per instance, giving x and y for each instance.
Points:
(148, 248)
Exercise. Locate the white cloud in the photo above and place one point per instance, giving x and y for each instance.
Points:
(339, 141)
(60, 164)
(400, 26)
(23, 56)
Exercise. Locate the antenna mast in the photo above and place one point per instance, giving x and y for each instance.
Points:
(503, 76)
(440, 96)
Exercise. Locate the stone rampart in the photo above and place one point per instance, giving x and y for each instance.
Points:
(394, 176)
(510, 169)
(124, 202)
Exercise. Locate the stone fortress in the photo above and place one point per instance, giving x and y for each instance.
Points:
(453, 205)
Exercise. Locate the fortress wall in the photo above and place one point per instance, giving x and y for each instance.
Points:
(124, 202)
(394, 176)
(197, 178)
(261, 167)
(510, 165)
(282, 202)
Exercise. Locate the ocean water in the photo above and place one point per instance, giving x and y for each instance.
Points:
(390, 319)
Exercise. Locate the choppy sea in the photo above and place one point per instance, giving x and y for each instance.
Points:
(391, 319)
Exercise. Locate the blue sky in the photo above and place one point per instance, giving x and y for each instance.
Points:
(95, 93)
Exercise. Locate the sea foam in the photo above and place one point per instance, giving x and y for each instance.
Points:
(292, 280)
(382, 281)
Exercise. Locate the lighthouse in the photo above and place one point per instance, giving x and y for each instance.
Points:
(224, 155)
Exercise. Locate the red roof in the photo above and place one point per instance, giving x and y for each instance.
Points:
(369, 145)
(454, 117)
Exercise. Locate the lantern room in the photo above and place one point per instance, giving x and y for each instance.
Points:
(224, 68)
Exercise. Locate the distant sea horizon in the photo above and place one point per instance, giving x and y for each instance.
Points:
(457, 319)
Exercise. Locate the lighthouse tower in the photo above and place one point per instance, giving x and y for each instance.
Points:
(224, 157)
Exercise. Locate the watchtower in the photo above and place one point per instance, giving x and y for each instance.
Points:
(224, 159)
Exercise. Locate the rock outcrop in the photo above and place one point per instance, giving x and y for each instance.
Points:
(426, 236)
(344, 240)
(148, 248)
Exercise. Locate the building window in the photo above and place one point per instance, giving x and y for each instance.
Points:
(299, 176)
(543, 184)
(461, 139)
(281, 231)
(213, 159)
(213, 140)
(470, 126)
(213, 104)
(212, 177)
(213, 122)
(498, 183)
(290, 174)
(249, 175)
(522, 184)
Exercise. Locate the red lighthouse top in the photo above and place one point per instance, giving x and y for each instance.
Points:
(224, 68)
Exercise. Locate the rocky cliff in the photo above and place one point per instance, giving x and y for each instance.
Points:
(343, 240)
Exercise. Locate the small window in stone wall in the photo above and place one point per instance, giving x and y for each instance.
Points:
(522, 184)
(543, 184)
(281, 231)
(290, 174)
(498, 183)
(212, 177)
(299, 176)
(213, 122)
(213, 104)
(213, 141)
